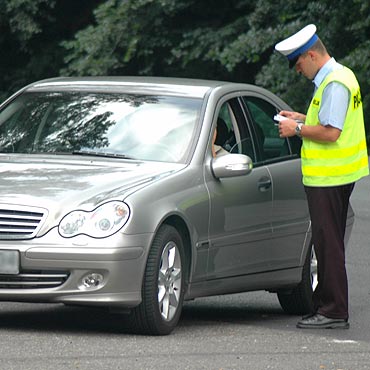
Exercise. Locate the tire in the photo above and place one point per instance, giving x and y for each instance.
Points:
(163, 285)
(299, 300)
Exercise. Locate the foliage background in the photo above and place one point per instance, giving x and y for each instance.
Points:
(216, 39)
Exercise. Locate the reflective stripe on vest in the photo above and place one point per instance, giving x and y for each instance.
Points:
(346, 160)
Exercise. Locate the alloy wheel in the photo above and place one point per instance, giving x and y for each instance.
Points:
(169, 281)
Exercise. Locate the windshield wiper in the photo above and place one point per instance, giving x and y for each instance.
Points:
(101, 154)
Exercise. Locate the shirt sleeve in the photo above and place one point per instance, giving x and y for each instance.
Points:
(334, 106)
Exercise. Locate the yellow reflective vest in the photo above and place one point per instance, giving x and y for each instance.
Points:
(346, 160)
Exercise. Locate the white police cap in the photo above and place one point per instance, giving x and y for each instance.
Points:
(297, 44)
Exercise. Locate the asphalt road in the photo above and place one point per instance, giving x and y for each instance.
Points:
(244, 331)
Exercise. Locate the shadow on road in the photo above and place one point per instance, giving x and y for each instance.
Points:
(59, 318)
(234, 309)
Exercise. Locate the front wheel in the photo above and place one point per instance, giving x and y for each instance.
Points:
(163, 285)
(299, 300)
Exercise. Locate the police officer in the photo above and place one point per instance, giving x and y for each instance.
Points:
(334, 156)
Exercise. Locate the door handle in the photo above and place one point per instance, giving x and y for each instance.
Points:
(264, 183)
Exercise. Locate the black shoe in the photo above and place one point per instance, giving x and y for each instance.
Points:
(321, 322)
(309, 315)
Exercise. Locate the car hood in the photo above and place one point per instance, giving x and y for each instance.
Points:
(72, 181)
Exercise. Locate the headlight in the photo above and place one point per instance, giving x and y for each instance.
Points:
(99, 223)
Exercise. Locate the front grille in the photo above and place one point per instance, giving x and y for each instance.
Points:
(18, 222)
(33, 280)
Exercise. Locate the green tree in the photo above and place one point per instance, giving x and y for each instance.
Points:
(30, 35)
(158, 37)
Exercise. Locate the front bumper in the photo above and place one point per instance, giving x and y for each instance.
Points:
(120, 260)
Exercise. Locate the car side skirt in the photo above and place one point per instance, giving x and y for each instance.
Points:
(270, 281)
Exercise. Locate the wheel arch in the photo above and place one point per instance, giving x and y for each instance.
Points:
(180, 225)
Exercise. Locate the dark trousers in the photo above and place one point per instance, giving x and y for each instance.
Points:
(328, 208)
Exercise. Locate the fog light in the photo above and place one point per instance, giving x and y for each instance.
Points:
(92, 280)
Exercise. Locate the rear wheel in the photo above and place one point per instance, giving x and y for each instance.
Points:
(163, 285)
(299, 300)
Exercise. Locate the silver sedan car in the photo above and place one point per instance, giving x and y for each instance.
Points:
(136, 194)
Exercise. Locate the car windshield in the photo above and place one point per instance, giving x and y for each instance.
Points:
(144, 127)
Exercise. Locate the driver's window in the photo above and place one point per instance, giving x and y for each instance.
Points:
(236, 137)
(262, 112)
(272, 146)
(226, 135)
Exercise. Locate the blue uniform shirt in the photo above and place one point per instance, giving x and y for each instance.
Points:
(335, 98)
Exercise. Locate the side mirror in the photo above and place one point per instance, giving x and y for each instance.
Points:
(231, 165)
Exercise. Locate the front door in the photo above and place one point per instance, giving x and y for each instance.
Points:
(240, 207)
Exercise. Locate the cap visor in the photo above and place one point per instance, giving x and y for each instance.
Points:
(293, 62)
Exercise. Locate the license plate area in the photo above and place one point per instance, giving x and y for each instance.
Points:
(9, 262)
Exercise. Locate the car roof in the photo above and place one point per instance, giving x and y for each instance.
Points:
(197, 88)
